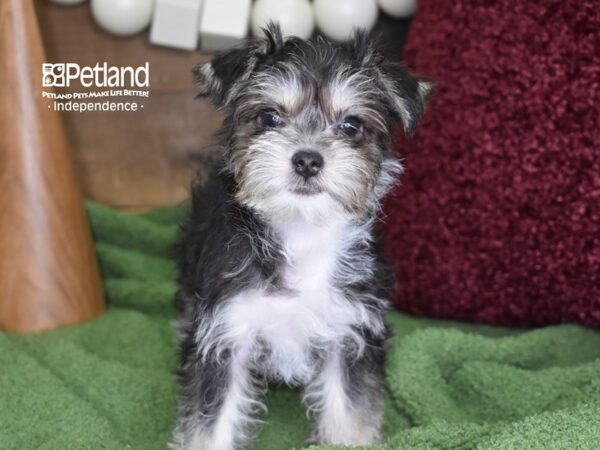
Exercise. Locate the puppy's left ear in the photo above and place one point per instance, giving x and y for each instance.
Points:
(223, 77)
(407, 94)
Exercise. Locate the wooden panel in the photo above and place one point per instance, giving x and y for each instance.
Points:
(136, 159)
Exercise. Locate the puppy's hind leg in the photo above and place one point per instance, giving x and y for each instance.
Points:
(346, 397)
(218, 404)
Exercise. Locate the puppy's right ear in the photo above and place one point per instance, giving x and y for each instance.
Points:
(217, 79)
(223, 77)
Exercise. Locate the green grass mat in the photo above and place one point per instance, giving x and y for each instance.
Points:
(109, 384)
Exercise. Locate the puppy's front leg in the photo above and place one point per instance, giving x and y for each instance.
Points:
(218, 403)
(346, 396)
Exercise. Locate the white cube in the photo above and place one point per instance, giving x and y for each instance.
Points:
(224, 23)
(175, 23)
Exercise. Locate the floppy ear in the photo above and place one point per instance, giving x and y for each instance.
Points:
(407, 94)
(223, 77)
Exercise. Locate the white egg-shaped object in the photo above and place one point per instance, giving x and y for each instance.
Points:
(337, 19)
(400, 9)
(295, 17)
(123, 17)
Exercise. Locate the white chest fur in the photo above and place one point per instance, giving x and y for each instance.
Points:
(311, 313)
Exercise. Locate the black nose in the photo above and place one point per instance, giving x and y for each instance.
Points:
(307, 163)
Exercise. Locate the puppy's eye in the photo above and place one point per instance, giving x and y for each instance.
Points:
(352, 126)
(270, 119)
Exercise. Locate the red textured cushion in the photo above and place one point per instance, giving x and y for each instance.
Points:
(497, 219)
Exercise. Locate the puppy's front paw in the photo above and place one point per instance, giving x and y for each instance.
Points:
(201, 439)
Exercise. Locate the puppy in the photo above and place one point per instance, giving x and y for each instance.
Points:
(280, 278)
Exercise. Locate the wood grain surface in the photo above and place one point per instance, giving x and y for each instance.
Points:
(48, 270)
(141, 159)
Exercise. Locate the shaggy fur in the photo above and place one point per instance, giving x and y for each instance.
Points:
(280, 278)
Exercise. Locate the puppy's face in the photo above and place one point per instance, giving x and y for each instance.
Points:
(309, 124)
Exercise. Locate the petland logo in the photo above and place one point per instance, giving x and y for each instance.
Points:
(100, 75)
(113, 89)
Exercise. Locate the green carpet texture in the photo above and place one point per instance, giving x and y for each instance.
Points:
(110, 384)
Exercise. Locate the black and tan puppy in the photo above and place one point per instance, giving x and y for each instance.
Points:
(280, 278)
